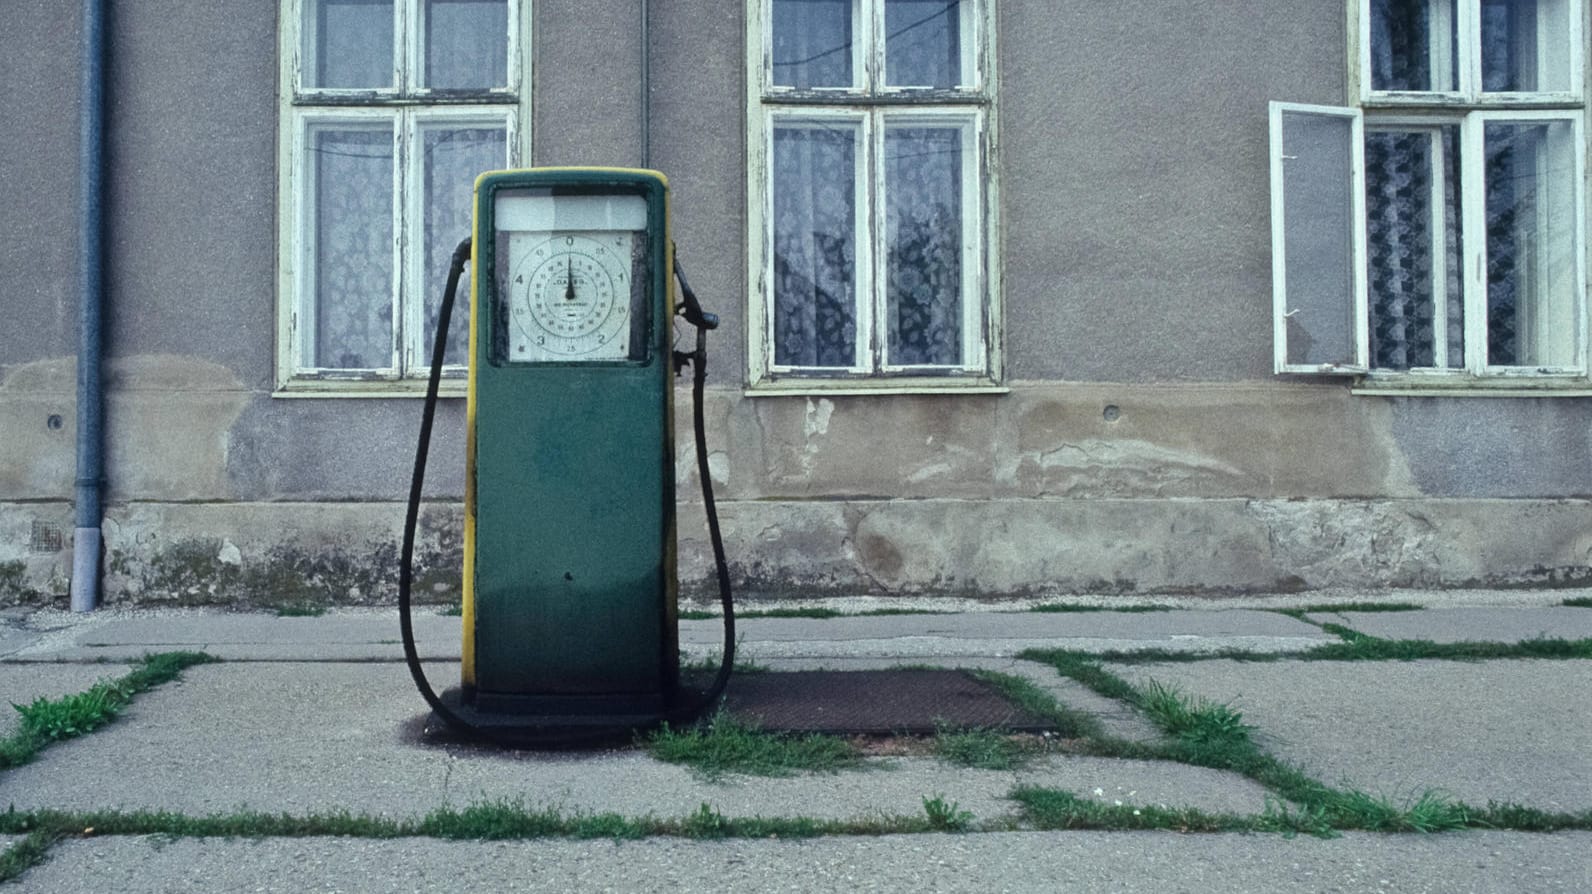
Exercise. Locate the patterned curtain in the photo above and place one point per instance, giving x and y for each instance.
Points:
(1400, 45)
(812, 43)
(351, 44)
(1503, 243)
(1409, 257)
(466, 43)
(452, 159)
(815, 245)
(353, 248)
(923, 223)
(923, 42)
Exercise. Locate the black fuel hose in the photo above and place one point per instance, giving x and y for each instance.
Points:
(531, 734)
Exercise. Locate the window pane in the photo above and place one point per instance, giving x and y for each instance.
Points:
(451, 159)
(348, 43)
(1413, 45)
(351, 172)
(923, 43)
(1525, 45)
(923, 226)
(815, 244)
(812, 44)
(466, 43)
(1532, 252)
(1318, 239)
(1413, 229)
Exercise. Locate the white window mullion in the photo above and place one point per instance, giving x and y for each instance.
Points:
(401, 196)
(303, 185)
(1439, 225)
(400, 44)
(1440, 55)
(412, 352)
(872, 253)
(872, 41)
(973, 235)
(1473, 205)
(1469, 41)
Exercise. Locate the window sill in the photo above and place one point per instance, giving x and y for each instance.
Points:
(1515, 386)
(365, 388)
(804, 387)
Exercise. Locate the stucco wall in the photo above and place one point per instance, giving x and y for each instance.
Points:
(1145, 444)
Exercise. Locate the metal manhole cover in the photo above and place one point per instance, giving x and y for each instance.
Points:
(875, 702)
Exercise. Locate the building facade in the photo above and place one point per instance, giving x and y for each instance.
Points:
(1019, 297)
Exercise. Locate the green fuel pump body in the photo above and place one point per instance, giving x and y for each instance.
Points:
(569, 557)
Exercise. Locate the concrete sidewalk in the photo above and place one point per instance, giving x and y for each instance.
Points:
(318, 715)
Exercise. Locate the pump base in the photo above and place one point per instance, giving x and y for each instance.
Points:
(537, 730)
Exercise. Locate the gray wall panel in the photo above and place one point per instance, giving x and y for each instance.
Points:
(192, 175)
(39, 52)
(1134, 170)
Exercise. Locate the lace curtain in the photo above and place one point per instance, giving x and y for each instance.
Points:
(815, 245)
(812, 43)
(1405, 249)
(452, 158)
(923, 225)
(353, 248)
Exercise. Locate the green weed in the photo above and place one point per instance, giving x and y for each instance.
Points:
(812, 613)
(946, 816)
(706, 823)
(1070, 608)
(1069, 723)
(729, 745)
(1355, 647)
(1334, 608)
(1051, 809)
(46, 721)
(1212, 733)
(1528, 819)
(1578, 602)
(492, 821)
(24, 855)
(980, 749)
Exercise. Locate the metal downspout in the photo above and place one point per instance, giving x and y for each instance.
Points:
(86, 537)
(646, 84)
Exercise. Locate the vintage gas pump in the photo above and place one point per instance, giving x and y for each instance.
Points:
(569, 523)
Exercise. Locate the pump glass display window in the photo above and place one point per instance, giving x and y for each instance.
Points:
(395, 107)
(1434, 235)
(571, 277)
(872, 197)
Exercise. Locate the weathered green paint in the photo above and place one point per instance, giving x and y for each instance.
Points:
(574, 578)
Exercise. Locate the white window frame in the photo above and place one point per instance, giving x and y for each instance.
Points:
(1469, 109)
(404, 108)
(876, 107)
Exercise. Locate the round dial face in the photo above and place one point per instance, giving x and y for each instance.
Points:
(569, 296)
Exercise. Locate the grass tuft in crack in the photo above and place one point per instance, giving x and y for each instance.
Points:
(46, 721)
(1070, 608)
(946, 816)
(1070, 723)
(727, 744)
(1211, 733)
(24, 855)
(981, 749)
(1214, 735)
(1337, 608)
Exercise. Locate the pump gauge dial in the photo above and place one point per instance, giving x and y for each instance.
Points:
(569, 295)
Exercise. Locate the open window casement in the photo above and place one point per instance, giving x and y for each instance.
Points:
(1318, 240)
